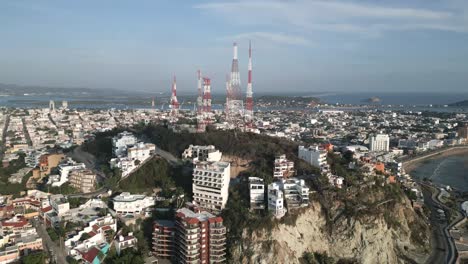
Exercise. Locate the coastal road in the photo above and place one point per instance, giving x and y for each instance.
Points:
(444, 250)
(439, 241)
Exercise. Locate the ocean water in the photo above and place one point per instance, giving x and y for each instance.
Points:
(412, 98)
(451, 171)
(410, 101)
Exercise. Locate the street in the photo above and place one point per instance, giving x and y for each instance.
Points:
(56, 252)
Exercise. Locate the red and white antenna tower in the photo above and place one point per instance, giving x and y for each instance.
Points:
(174, 102)
(200, 94)
(235, 104)
(228, 95)
(249, 95)
(206, 96)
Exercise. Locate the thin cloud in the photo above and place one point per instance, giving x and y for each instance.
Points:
(338, 16)
(279, 38)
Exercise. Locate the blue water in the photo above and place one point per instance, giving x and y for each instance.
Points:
(411, 101)
(451, 171)
(395, 98)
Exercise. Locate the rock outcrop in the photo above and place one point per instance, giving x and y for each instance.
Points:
(365, 238)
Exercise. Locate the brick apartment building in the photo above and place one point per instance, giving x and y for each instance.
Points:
(191, 238)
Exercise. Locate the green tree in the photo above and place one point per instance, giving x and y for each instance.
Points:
(35, 258)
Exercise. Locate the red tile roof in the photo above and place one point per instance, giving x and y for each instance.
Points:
(90, 255)
(191, 220)
(46, 209)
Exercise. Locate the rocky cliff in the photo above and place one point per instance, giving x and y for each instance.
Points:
(365, 238)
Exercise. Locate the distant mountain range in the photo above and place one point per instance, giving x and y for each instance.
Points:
(463, 103)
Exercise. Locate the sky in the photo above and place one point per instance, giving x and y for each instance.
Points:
(312, 46)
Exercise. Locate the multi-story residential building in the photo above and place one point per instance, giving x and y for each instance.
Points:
(199, 238)
(46, 163)
(126, 203)
(65, 169)
(15, 244)
(295, 192)
(124, 242)
(59, 204)
(122, 141)
(16, 223)
(276, 200)
(202, 153)
(314, 155)
(98, 232)
(284, 168)
(379, 143)
(257, 193)
(141, 151)
(210, 185)
(463, 131)
(163, 239)
(83, 180)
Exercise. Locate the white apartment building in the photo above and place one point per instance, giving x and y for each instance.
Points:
(313, 155)
(276, 200)
(97, 231)
(295, 192)
(65, 169)
(210, 185)
(59, 204)
(126, 203)
(133, 157)
(202, 153)
(141, 151)
(257, 193)
(122, 141)
(379, 142)
(284, 168)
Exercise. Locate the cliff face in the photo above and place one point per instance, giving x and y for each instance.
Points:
(366, 239)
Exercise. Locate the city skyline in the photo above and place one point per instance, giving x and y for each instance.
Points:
(305, 46)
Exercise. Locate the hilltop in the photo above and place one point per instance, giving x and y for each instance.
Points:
(463, 103)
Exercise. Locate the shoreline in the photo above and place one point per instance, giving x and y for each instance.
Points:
(411, 165)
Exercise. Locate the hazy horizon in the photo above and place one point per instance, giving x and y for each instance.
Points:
(299, 46)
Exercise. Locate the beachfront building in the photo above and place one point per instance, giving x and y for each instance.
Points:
(463, 131)
(210, 185)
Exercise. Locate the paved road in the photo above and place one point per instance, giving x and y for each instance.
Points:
(88, 195)
(167, 156)
(444, 250)
(88, 159)
(57, 253)
(439, 241)
(5, 129)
